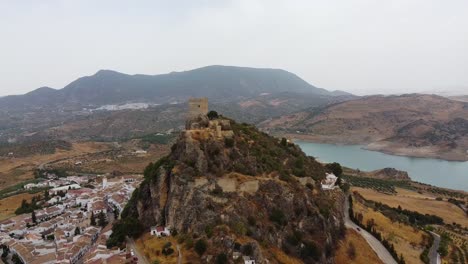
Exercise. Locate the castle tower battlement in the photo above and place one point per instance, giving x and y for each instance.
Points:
(198, 106)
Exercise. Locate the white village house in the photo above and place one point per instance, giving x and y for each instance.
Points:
(248, 260)
(160, 231)
(329, 182)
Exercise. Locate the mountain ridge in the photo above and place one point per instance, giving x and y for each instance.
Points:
(411, 124)
(217, 82)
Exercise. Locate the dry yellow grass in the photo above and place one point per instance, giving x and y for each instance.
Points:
(424, 204)
(364, 253)
(281, 257)
(10, 204)
(405, 239)
(14, 170)
(152, 246)
(108, 163)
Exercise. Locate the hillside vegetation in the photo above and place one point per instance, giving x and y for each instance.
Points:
(244, 188)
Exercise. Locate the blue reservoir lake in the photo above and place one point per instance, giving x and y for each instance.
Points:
(441, 173)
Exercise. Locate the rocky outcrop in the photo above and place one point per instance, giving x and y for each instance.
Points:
(390, 174)
(247, 191)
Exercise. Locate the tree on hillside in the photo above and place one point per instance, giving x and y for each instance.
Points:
(77, 231)
(93, 219)
(334, 168)
(351, 251)
(33, 217)
(212, 115)
(200, 246)
(222, 258)
(102, 221)
(5, 251)
(46, 195)
(116, 212)
(16, 259)
(284, 142)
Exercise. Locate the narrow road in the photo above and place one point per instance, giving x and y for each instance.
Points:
(375, 244)
(141, 257)
(434, 256)
(179, 258)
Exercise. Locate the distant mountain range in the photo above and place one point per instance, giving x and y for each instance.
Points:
(462, 98)
(80, 109)
(218, 83)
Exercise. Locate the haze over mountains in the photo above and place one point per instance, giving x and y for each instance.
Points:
(248, 94)
(220, 83)
(281, 101)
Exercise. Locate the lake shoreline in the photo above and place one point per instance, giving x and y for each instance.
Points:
(384, 147)
(436, 172)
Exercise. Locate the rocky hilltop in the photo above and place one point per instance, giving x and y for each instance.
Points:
(234, 186)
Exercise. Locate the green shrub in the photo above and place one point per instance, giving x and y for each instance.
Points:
(311, 250)
(229, 142)
(247, 250)
(251, 220)
(212, 115)
(221, 258)
(334, 168)
(209, 231)
(201, 246)
(125, 227)
(277, 216)
(189, 243)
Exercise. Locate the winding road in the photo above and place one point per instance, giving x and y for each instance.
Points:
(375, 244)
(433, 254)
(179, 258)
(141, 257)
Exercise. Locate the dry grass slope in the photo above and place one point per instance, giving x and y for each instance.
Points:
(424, 204)
(406, 239)
(10, 204)
(15, 170)
(364, 253)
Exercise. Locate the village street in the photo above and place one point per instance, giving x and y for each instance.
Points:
(131, 246)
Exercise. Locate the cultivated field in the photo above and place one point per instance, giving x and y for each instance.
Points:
(364, 253)
(414, 201)
(10, 204)
(122, 159)
(14, 170)
(406, 239)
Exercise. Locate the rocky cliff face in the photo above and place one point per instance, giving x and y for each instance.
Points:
(235, 185)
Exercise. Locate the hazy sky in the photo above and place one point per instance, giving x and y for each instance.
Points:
(361, 46)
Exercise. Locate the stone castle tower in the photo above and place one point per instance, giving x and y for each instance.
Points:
(198, 106)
